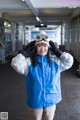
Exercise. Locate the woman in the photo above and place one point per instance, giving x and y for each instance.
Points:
(42, 74)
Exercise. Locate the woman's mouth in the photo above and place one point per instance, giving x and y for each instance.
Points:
(42, 51)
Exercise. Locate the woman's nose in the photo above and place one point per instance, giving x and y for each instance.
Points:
(42, 47)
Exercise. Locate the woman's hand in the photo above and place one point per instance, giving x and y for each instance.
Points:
(54, 49)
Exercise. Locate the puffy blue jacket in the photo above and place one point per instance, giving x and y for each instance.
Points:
(42, 81)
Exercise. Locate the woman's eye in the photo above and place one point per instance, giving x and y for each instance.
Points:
(39, 45)
(44, 45)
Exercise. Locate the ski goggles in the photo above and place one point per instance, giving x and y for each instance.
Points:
(42, 37)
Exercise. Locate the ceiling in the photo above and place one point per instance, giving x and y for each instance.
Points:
(48, 11)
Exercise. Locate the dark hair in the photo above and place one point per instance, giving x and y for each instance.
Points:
(34, 57)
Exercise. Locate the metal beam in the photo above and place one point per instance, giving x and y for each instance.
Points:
(34, 10)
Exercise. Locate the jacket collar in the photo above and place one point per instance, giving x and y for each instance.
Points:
(42, 59)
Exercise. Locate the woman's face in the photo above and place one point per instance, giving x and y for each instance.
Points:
(42, 49)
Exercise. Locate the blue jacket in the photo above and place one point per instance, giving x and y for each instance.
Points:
(42, 81)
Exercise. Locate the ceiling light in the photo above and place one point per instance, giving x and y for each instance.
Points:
(5, 23)
(9, 25)
(42, 24)
(37, 18)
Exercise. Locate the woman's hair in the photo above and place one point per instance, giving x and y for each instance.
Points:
(34, 57)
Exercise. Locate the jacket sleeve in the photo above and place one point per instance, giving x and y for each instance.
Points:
(19, 64)
(66, 61)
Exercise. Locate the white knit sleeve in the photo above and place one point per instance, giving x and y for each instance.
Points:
(66, 61)
(19, 64)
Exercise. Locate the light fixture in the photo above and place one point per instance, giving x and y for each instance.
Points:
(5, 23)
(42, 24)
(37, 18)
(9, 25)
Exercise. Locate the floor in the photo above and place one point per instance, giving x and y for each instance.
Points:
(13, 92)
